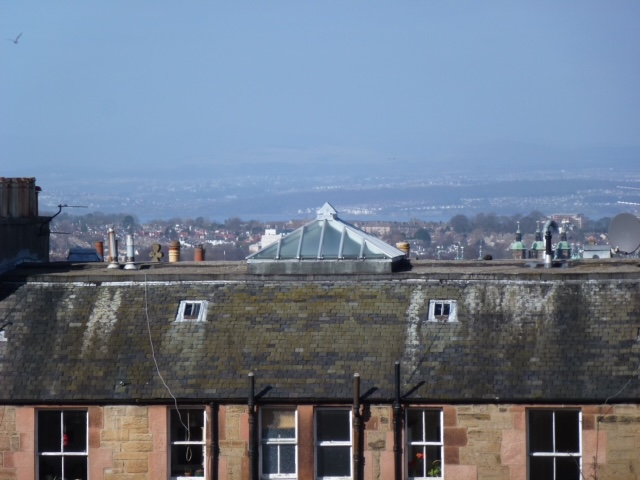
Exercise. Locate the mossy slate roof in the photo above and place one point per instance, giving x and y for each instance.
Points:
(82, 333)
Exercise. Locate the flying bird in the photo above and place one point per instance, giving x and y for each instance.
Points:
(15, 40)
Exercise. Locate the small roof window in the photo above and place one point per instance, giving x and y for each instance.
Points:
(192, 311)
(443, 311)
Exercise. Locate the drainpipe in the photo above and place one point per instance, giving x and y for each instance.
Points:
(215, 440)
(357, 425)
(397, 428)
(253, 455)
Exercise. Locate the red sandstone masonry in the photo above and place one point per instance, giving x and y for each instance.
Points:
(481, 442)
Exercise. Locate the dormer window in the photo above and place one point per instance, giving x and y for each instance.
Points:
(192, 311)
(443, 311)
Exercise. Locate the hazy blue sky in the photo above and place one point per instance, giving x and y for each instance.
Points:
(155, 83)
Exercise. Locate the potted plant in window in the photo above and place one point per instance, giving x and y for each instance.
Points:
(435, 470)
(188, 472)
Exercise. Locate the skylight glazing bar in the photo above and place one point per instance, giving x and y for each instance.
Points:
(342, 236)
(321, 242)
(299, 254)
(278, 249)
(362, 245)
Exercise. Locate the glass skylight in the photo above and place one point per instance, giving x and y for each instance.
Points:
(328, 238)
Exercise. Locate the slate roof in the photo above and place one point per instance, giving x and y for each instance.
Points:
(82, 333)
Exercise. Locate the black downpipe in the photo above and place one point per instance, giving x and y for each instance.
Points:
(215, 440)
(253, 454)
(357, 427)
(397, 428)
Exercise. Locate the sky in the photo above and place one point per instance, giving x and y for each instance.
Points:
(266, 85)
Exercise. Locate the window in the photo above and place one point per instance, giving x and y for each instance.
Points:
(192, 310)
(443, 311)
(187, 437)
(424, 443)
(554, 444)
(279, 443)
(62, 444)
(333, 443)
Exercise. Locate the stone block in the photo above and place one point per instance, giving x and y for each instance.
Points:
(141, 437)
(125, 456)
(484, 435)
(136, 466)
(450, 416)
(137, 422)
(455, 436)
(96, 418)
(376, 440)
(514, 447)
(461, 472)
(494, 473)
(114, 411)
(114, 435)
(137, 447)
(8, 473)
(134, 411)
(451, 455)
(475, 419)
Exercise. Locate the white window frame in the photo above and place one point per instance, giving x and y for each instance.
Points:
(279, 442)
(576, 455)
(62, 453)
(328, 444)
(195, 444)
(453, 311)
(202, 305)
(424, 444)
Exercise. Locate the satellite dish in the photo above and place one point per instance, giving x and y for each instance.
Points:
(624, 232)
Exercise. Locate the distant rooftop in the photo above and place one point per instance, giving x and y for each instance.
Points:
(79, 254)
(327, 239)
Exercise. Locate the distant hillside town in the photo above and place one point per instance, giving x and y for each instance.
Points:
(75, 234)
(461, 238)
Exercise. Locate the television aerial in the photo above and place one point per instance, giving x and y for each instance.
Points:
(624, 233)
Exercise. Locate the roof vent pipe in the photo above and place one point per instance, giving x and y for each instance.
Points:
(130, 265)
(548, 253)
(113, 250)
